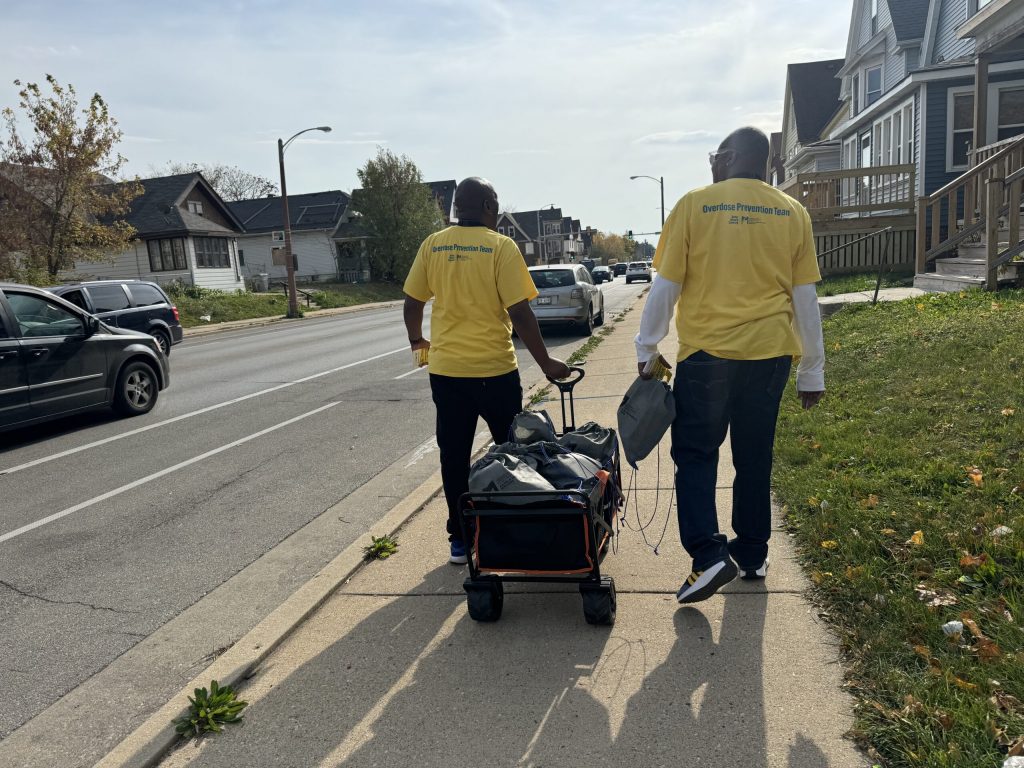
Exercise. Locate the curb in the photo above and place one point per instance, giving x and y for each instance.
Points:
(148, 743)
(257, 322)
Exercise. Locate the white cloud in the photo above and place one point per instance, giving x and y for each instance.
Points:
(675, 137)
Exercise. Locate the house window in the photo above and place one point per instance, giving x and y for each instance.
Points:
(167, 254)
(865, 150)
(1011, 113)
(908, 133)
(874, 16)
(212, 253)
(873, 85)
(887, 148)
(897, 138)
(511, 232)
(961, 129)
(196, 207)
(855, 88)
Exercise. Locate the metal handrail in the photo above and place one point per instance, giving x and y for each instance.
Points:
(887, 231)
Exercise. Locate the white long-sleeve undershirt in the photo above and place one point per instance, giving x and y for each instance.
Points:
(661, 305)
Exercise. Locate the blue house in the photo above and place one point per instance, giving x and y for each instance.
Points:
(909, 82)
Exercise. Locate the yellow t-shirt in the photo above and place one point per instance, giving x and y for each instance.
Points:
(737, 248)
(474, 275)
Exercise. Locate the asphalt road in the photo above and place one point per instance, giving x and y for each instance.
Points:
(109, 528)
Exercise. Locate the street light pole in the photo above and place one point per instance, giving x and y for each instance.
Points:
(661, 182)
(293, 296)
(540, 241)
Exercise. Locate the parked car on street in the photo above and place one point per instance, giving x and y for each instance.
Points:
(57, 359)
(135, 305)
(638, 270)
(567, 295)
(602, 275)
(620, 268)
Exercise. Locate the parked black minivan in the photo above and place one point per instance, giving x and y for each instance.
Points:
(56, 360)
(135, 305)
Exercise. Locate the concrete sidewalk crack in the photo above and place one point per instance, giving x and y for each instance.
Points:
(62, 602)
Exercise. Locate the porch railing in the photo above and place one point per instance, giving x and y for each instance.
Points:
(884, 189)
(973, 204)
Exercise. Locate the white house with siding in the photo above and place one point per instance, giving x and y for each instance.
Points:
(184, 233)
(314, 219)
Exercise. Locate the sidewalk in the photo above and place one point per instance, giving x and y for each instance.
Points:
(391, 671)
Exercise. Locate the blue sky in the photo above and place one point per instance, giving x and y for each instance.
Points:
(555, 102)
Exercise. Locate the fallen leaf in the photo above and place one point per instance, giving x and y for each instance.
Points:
(889, 531)
(870, 502)
(945, 719)
(963, 684)
(1005, 702)
(1017, 748)
(1008, 411)
(970, 563)
(923, 652)
(829, 544)
(837, 346)
(854, 572)
(976, 476)
(917, 539)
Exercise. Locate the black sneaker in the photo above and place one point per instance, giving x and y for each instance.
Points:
(700, 585)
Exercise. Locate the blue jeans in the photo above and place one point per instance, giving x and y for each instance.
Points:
(714, 395)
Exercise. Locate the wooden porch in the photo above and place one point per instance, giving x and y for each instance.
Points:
(969, 231)
(848, 205)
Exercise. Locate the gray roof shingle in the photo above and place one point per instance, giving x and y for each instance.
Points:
(156, 210)
(315, 210)
(909, 18)
(815, 90)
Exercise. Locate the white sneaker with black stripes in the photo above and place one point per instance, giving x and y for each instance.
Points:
(700, 585)
(754, 574)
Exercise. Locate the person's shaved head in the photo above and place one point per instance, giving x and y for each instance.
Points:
(476, 203)
(743, 153)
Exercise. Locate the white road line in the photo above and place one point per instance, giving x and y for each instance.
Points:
(156, 475)
(190, 414)
(410, 373)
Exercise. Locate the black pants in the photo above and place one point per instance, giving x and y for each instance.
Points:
(460, 401)
(714, 395)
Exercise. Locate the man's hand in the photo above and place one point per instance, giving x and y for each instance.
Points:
(810, 399)
(642, 366)
(421, 344)
(555, 369)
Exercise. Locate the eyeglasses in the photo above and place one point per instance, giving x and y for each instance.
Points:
(713, 156)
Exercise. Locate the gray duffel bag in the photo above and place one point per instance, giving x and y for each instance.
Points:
(532, 427)
(647, 411)
(564, 469)
(503, 473)
(593, 440)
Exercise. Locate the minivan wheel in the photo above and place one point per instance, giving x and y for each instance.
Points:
(137, 389)
(163, 341)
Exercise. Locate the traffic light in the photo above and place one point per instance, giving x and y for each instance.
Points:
(629, 235)
(572, 257)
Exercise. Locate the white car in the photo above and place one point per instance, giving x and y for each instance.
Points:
(638, 270)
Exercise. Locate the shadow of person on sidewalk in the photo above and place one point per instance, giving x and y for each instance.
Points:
(414, 682)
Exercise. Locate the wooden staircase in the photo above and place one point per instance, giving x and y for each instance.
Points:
(983, 247)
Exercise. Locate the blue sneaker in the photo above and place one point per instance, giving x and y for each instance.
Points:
(458, 556)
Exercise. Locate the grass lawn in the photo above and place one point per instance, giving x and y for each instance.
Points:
(862, 281)
(194, 302)
(905, 492)
(221, 306)
(328, 295)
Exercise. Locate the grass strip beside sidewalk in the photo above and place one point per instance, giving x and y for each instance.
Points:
(905, 491)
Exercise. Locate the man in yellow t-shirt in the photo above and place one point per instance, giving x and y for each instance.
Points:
(737, 266)
(481, 289)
